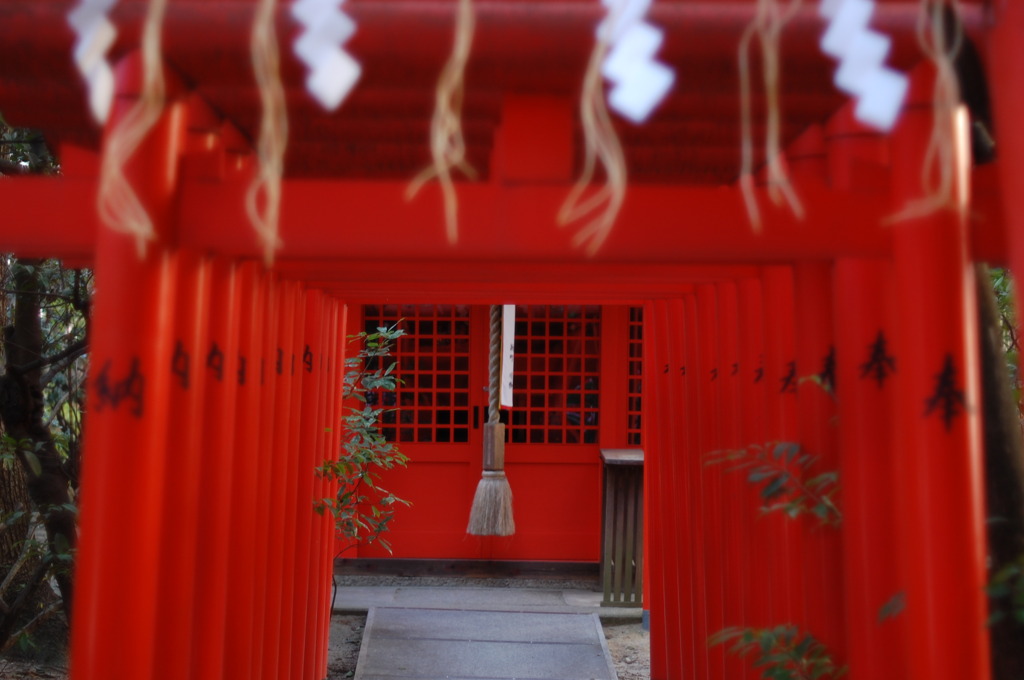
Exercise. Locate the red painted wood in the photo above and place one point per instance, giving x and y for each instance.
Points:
(941, 512)
(872, 577)
(737, 555)
(270, 422)
(781, 375)
(688, 330)
(221, 462)
(1005, 50)
(280, 533)
(179, 523)
(679, 494)
(244, 547)
(708, 376)
(296, 469)
(332, 437)
(821, 546)
(117, 590)
(309, 457)
(753, 429)
(661, 568)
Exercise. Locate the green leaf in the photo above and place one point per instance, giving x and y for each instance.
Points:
(33, 462)
(893, 607)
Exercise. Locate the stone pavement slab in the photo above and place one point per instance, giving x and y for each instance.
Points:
(363, 598)
(420, 643)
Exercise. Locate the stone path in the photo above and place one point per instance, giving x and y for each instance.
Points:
(418, 643)
(462, 633)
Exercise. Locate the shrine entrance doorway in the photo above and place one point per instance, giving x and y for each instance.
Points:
(570, 398)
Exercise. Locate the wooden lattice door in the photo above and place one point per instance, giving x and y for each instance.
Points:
(552, 451)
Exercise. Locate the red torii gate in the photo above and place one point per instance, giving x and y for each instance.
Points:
(214, 381)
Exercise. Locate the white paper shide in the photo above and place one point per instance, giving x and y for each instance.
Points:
(639, 83)
(862, 73)
(332, 71)
(94, 36)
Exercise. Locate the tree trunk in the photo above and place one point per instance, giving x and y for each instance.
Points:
(13, 486)
(21, 410)
(1004, 473)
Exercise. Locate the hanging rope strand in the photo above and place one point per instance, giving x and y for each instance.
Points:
(273, 138)
(938, 171)
(601, 145)
(768, 22)
(447, 144)
(117, 203)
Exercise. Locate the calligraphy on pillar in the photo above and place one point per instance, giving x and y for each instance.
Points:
(130, 388)
(880, 365)
(948, 398)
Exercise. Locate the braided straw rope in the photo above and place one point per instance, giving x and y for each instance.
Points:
(494, 366)
(117, 203)
(447, 145)
(771, 17)
(273, 137)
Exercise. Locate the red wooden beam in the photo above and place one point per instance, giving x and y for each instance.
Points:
(334, 219)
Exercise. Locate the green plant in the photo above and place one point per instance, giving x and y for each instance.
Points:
(1004, 290)
(1006, 593)
(362, 509)
(781, 653)
(781, 469)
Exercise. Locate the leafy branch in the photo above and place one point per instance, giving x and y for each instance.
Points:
(780, 468)
(781, 653)
(1006, 592)
(362, 509)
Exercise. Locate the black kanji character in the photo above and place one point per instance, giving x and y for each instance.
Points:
(280, 361)
(215, 361)
(948, 399)
(241, 370)
(879, 364)
(714, 374)
(735, 368)
(307, 359)
(789, 380)
(180, 364)
(827, 377)
(131, 388)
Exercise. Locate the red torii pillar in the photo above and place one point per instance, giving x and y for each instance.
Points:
(1006, 80)
(217, 506)
(865, 367)
(940, 511)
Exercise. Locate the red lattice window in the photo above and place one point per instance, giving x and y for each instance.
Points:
(557, 375)
(636, 370)
(433, 363)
